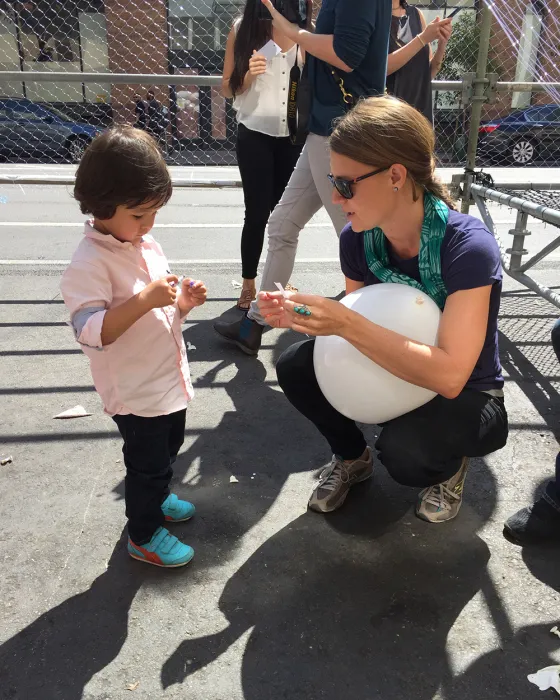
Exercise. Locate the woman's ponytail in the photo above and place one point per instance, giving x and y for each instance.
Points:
(436, 187)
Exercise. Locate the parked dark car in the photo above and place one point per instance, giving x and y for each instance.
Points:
(522, 137)
(28, 129)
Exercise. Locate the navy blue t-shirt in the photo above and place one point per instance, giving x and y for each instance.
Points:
(361, 39)
(470, 258)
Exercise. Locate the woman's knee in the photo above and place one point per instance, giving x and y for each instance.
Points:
(407, 460)
(295, 366)
(398, 461)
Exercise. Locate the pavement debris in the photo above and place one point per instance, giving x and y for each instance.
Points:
(76, 412)
(546, 678)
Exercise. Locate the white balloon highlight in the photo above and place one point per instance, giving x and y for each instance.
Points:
(359, 388)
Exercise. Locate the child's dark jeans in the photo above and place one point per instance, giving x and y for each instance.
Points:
(150, 448)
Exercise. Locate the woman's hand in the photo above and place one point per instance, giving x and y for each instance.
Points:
(445, 35)
(271, 306)
(281, 23)
(434, 31)
(327, 317)
(257, 64)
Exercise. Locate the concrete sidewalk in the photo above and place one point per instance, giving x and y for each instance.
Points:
(230, 173)
(368, 603)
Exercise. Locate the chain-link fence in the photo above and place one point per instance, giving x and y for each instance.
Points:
(46, 120)
(522, 128)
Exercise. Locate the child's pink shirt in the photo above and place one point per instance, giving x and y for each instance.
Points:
(145, 371)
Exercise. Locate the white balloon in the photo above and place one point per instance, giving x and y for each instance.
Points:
(355, 385)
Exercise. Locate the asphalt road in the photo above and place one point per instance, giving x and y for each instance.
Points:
(368, 603)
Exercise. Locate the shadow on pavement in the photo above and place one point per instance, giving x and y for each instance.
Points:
(55, 656)
(521, 652)
(359, 606)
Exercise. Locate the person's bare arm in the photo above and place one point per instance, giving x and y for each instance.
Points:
(228, 64)
(229, 61)
(352, 285)
(397, 59)
(444, 369)
(436, 59)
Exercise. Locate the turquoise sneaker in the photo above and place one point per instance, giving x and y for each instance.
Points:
(177, 511)
(162, 550)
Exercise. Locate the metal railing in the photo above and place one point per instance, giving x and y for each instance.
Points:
(512, 258)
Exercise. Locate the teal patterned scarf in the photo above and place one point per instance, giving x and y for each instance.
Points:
(436, 214)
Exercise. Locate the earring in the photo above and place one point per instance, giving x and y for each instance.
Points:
(395, 189)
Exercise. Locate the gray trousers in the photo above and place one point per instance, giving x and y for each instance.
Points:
(307, 191)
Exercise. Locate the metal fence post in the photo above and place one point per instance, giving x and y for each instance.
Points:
(517, 250)
(478, 99)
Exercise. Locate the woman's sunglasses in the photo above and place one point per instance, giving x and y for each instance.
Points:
(344, 187)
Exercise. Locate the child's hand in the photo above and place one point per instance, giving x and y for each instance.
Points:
(193, 293)
(161, 292)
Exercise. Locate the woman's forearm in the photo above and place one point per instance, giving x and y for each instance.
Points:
(436, 61)
(419, 364)
(248, 80)
(402, 56)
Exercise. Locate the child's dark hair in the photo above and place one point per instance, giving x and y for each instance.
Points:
(122, 166)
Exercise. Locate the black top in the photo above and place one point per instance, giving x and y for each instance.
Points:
(412, 82)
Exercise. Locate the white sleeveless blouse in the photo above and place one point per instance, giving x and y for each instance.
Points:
(263, 107)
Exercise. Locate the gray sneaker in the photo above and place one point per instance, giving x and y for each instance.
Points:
(336, 479)
(442, 502)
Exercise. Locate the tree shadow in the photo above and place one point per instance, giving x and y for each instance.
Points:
(521, 652)
(55, 656)
(526, 352)
(260, 440)
(365, 616)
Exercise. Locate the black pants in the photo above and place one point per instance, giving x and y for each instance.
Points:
(150, 448)
(421, 448)
(265, 164)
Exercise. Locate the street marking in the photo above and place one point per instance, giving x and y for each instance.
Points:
(66, 224)
(202, 261)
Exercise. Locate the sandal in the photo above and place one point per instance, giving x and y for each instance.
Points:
(245, 299)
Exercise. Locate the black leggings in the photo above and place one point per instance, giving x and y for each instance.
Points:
(265, 164)
(421, 448)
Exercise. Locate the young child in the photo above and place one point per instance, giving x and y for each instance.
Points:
(126, 310)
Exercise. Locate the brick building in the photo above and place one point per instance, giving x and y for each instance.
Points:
(188, 37)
